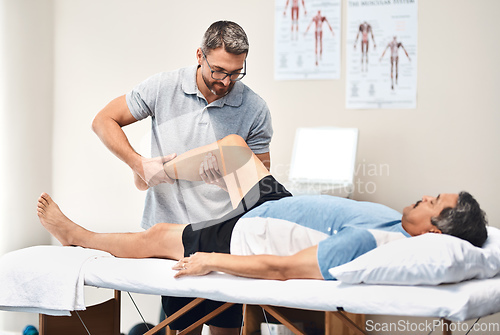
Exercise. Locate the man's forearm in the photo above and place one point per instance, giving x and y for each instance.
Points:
(302, 265)
(108, 125)
(255, 266)
(265, 158)
(113, 137)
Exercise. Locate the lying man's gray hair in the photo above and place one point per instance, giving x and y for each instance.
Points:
(466, 220)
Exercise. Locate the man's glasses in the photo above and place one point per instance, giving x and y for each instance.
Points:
(220, 75)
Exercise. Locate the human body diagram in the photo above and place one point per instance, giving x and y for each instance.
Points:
(318, 20)
(394, 46)
(295, 16)
(365, 30)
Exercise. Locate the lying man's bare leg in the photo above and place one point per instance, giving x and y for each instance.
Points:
(241, 170)
(239, 167)
(163, 240)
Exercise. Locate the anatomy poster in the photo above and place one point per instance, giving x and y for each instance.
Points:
(307, 39)
(381, 62)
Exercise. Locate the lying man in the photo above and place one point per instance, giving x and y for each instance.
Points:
(279, 236)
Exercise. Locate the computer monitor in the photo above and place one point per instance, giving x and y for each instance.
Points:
(324, 155)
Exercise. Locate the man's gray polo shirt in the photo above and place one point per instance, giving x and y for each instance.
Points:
(183, 121)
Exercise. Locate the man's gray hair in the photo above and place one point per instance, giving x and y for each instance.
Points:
(226, 34)
(466, 220)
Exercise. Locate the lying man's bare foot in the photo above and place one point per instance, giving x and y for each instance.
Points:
(53, 219)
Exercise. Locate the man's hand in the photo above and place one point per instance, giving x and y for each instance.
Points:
(196, 265)
(152, 172)
(210, 172)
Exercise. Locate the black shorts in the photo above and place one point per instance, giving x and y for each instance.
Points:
(217, 238)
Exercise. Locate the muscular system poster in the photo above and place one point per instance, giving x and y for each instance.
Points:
(381, 49)
(307, 39)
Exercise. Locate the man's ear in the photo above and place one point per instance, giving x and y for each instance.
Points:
(434, 229)
(199, 56)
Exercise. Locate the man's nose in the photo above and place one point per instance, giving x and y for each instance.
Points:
(426, 198)
(226, 81)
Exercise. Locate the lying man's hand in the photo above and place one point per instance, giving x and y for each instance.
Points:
(196, 265)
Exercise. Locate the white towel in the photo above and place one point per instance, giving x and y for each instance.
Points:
(44, 279)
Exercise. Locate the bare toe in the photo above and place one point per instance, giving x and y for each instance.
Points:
(45, 199)
(53, 219)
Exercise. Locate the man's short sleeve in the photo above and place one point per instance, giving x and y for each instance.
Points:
(342, 247)
(141, 100)
(261, 133)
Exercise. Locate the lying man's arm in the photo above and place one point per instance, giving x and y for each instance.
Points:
(302, 265)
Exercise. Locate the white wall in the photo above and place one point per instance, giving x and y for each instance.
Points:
(102, 48)
(448, 143)
(26, 90)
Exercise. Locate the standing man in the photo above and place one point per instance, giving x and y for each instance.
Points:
(190, 107)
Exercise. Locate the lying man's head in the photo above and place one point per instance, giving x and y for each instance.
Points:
(453, 214)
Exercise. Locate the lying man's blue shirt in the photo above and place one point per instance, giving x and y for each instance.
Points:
(351, 228)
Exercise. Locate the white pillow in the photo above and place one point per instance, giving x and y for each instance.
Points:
(428, 259)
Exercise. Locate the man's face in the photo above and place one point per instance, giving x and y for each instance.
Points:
(417, 217)
(219, 60)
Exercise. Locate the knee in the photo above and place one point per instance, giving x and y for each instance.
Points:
(233, 140)
(155, 232)
(235, 152)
